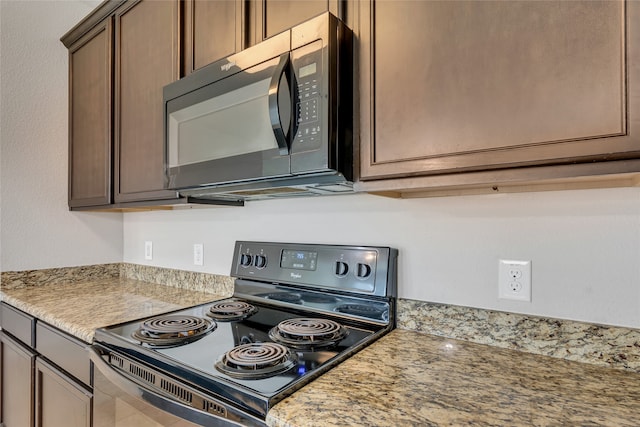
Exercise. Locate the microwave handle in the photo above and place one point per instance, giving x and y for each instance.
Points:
(274, 111)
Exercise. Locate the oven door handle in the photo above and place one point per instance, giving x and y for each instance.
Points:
(132, 388)
(280, 130)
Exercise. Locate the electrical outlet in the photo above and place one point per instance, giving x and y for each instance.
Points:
(514, 280)
(148, 250)
(198, 255)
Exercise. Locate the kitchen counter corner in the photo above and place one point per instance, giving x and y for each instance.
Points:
(79, 308)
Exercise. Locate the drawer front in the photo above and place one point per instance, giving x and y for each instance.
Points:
(65, 351)
(18, 324)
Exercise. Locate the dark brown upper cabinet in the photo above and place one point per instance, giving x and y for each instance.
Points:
(90, 71)
(121, 57)
(216, 29)
(271, 17)
(476, 93)
(212, 30)
(147, 57)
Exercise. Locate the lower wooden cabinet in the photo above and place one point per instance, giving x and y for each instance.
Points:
(17, 383)
(60, 400)
(46, 386)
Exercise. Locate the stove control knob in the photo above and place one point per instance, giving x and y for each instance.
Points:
(260, 261)
(245, 260)
(363, 271)
(342, 268)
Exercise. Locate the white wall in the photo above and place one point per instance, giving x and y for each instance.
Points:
(584, 245)
(36, 228)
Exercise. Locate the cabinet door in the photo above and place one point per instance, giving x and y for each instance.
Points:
(147, 59)
(212, 30)
(17, 383)
(90, 118)
(463, 86)
(271, 17)
(60, 402)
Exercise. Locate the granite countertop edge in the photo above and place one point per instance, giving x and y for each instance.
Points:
(80, 308)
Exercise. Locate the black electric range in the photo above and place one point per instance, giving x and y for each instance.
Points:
(297, 311)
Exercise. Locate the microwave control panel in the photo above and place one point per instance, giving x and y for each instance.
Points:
(307, 66)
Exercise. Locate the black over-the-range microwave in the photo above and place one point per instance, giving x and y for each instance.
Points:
(274, 120)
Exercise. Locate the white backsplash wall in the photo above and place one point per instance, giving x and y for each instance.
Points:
(584, 245)
(37, 230)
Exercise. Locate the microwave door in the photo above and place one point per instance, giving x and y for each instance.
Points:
(231, 130)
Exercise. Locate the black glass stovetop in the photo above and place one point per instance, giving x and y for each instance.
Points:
(194, 362)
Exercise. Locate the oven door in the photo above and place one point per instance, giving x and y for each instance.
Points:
(232, 130)
(122, 401)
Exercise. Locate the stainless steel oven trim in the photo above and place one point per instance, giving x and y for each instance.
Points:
(155, 396)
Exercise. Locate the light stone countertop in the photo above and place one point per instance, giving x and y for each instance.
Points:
(80, 308)
(409, 378)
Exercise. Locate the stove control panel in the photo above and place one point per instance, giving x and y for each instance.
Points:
(366, 270)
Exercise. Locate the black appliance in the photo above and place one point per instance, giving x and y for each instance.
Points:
(274, 120)
(297, 311)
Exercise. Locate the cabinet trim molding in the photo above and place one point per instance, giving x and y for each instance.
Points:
(101, 12)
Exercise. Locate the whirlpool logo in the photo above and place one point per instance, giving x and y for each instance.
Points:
(296, 275)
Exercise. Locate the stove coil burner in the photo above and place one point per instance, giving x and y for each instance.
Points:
(308, 332)
(229, 311)
(171, 330)
(363, 310)
(256, 360)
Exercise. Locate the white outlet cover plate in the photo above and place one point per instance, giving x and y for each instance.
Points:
(198, 254)
(514, 280)
(148, 250)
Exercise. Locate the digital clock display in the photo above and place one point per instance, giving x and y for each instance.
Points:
(307, 70)
(299, 260)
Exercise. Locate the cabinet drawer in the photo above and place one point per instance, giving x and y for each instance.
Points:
(18, 324)
(65, 351)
